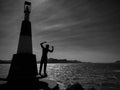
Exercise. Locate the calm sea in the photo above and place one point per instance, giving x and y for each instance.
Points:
(101, 76)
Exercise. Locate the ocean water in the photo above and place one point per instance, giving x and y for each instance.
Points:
(100, 76)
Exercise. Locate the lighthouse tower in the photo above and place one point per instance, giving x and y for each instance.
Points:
(25, 41)
(23, 65)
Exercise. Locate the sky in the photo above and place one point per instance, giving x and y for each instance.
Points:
(85, 30)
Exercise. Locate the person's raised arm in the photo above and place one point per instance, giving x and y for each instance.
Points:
(52, 49)
(41, 44)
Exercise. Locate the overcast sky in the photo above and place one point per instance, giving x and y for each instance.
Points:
(86, 30)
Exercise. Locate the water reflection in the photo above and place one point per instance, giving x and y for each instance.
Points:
(86, 74)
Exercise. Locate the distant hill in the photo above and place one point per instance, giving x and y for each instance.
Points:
(52, 60)
(118, 61)
(5, 61)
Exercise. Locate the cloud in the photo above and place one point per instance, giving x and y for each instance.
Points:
(77, 28)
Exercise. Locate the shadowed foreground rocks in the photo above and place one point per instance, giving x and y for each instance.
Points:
(22, 85)
(75, 86)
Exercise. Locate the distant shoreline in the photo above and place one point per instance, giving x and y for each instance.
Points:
(61, 61)
(50, 60)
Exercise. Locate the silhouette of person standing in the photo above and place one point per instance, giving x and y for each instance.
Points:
(45, 50)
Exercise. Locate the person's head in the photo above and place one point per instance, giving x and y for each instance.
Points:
(47, 46)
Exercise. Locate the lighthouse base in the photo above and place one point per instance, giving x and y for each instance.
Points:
(23, 68)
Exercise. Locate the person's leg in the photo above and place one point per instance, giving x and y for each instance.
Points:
(45, 67)
(41, 63)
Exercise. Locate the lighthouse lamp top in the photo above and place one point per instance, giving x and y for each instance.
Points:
(27, 7)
